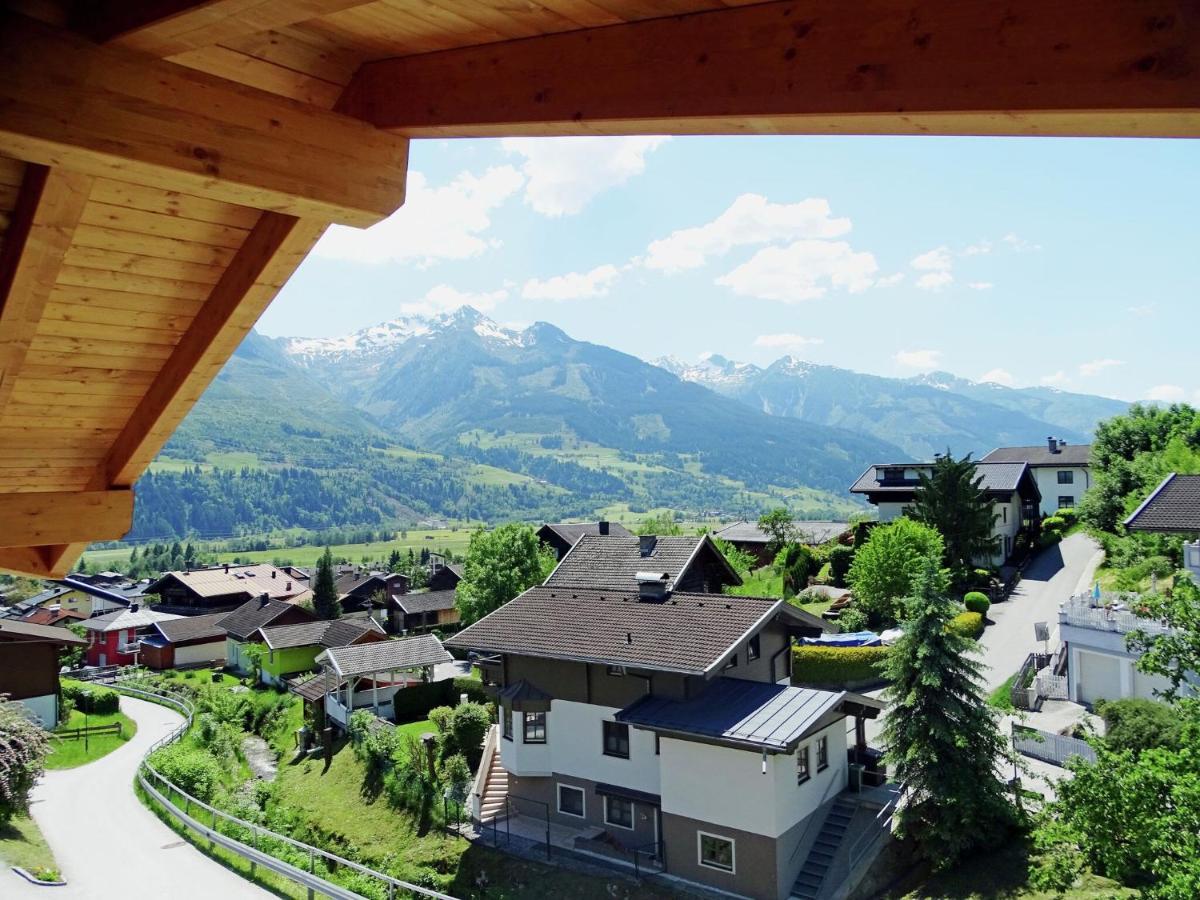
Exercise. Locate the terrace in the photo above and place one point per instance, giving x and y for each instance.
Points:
(1109, 612)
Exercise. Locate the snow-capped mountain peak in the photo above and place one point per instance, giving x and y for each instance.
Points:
(711, 369)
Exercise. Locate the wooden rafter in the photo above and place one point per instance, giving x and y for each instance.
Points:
(1069, 67)
(108, 111)
(48, 209)
(51, 517)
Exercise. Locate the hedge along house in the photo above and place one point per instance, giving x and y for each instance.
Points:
(642, 718)
(184, 641)
(29, 666)
(368, 676)
(293, 649)
(243, 624)
(689, 563)
(114, 639)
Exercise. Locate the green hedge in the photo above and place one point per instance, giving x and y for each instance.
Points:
(975, 601)
(414, 703)
(91, 698)
(836, 665)
(968, 624)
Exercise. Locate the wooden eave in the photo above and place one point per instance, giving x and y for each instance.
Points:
(165, 165)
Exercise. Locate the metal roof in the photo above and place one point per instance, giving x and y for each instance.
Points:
(1041, 455)
(997, 477)
(810, 532)
(30, 631)
(385, 656)
(192, 628)
(771, 717)
(1173, 507)
(128, 618)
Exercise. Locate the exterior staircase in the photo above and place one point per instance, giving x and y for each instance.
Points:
(495, 790)
(824, 849)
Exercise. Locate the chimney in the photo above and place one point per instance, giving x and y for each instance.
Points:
(133, 607)
(226, 568)
(1052, 444)
(646, 544)
(652, 586)
(288, 586)
(263, 601)
(603, 527)
(273, 573)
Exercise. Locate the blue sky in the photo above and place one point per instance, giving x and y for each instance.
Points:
(1064, 262)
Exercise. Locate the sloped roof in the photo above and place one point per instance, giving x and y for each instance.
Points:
(51, 616)
(810, 532)
(254, 580)
(1040, 455)
(573, 531)
(253, 615)
(385, 656)
(997, 477)
(608, 561)
(193, 628)
(326, 633)
(687, 633)
(771, 717)
(427, 601)
(32, 632)
(128, 618)
(311, 687)
(1173, 508)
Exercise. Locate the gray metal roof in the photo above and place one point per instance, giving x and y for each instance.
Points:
(810, 532)
(1041, 455)
(427, 601)
(128, 618)
(997, 477)
(1173, 508)
(385, 656)
(771, 717)
(192, 628)
(44, 633)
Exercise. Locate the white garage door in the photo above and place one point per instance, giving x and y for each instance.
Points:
(1099, 677)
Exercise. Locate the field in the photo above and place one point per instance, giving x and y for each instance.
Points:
(67, 753)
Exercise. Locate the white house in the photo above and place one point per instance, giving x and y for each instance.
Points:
(1173, 508)
(1061, 470)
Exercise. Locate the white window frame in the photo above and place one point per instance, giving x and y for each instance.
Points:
(700, 836)
(632, 814)
(802, 753)
(558, 797)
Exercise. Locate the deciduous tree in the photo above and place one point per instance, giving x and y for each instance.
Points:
(887, 567)
(499, 565)
(780, 526)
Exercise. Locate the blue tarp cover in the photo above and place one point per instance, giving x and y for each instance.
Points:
(855, 639)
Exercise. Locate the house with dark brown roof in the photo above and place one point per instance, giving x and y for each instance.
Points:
(749, 538)
(1010, 486)
(444, 577)
(224, 588)
(369, 594)
(185, 641)
(293, 649)
(562, 536)
(29, 665)
(1173, 508)
(242, 625)
(690, 563)
(1062, 471)
(645, 717)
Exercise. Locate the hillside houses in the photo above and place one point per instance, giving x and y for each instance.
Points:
(562, 536)
(1062, 471)
(686, 563)
(114, 639)
(226, 587)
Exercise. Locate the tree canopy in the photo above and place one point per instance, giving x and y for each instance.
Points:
(325, 596)
(951, 499)
(781, 526)
(889, 565)
(499, 565)
(23, 751)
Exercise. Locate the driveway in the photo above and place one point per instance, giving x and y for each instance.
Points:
(1053, 576)
(107, 844)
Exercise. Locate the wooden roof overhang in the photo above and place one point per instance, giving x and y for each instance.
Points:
(165, 165)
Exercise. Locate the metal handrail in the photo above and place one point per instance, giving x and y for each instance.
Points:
(308, 879)
(855, 855)
(654, 853)
(833, 782)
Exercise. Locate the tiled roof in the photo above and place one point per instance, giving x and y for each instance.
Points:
(335, 633)
(1174, 507)
(689, 633)
(52, 616)
(573, 531)
(385, 656)
(193, 628)
(757, 714)
(429, 601)
(1040, 455)
(997, 476)
(312, 687)
(30, 631)
(253, 615)
(598, 561)
(810, 532)
(128, 618)
(254, 580)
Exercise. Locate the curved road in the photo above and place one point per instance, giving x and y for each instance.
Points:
(107, 844)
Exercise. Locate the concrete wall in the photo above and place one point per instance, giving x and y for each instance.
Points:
(44, 709)
(755, 860)
(546, 790)
(194, 654)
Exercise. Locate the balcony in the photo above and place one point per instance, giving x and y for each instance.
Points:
(1111, 613)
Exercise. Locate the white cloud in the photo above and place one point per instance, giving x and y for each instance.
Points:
(935, 260)
(934, 281)
(998, 376)
(803, 270)
(434, 223)
(1019, 243)
(1144, 311)
(750, 219)
(978, 248)
(919, 359)
(785, 340)
(564, 173)
(443, 299)
(889, 280)
(572, 286)
(1055, 378)
(1096, 366)
(1166, 393)
(980, 285)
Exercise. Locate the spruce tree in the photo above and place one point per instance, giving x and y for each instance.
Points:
(952, 500)
(325, 598)
(942, 739)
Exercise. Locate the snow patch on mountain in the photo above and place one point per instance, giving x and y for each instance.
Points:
(712, 369)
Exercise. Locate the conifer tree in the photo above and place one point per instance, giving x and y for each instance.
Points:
(942, 740)
(325, 598)
(952, 500)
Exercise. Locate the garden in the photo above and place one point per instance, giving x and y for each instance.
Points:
(91, 725)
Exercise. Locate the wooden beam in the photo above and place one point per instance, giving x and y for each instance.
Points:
(165, 28)
(51, 517)
(27, 561)
(48, 209)
(1068, 67)
(108, 111)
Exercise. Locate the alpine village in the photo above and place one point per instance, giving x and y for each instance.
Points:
(458, 607)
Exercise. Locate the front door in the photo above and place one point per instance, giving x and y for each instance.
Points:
(103, 659)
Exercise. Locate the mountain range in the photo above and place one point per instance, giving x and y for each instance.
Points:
(457, 416)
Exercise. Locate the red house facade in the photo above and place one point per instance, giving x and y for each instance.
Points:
(113, 639)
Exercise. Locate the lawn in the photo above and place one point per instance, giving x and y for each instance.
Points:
(416, 729)
(1001, 697)
(22, 844)
(67, 753)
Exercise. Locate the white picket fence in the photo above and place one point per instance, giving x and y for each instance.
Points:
(1051, 686)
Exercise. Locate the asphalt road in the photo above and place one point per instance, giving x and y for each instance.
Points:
(110, 846)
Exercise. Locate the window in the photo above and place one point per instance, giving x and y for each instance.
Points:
(1066, 477)
(507, 716)
(893, 474)
(822, 754)
(732, 664)
(618, 811)
(1004, 513)
(754, 648)
(535, 728)
(1065, 502)
(570, 800)
(657, 744)
(617, 671)
(715, 852)
(803, 772)
(616, 739)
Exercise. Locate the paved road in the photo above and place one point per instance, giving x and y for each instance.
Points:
(1051, 578)
(107, 844)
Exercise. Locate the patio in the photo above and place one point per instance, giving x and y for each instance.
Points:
(368, 676)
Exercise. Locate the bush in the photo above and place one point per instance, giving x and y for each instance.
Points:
(414, 703)
(976, 602)
(1137, 725)
(852, 619)
(468, 725)
(456, 772)
(216, 737)
(840, 559)
(1069, 516)
(193, 770)
(836, 665)
(473, 688)
(440, 717)
(23, 750)
(91, 698)
(967, 624)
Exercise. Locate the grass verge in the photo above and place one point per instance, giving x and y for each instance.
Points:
(22, 844)
(69, 752)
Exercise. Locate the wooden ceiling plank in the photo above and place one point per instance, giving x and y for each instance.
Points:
(136, 264)
(110, 112)
(172, 203)
(243, 68)
(124, 353)
(47, 214)
(122, 301)
(138, 221)
(87, 278)
(169, 323)
(877, 66)
(100, 237)
(53, 517)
